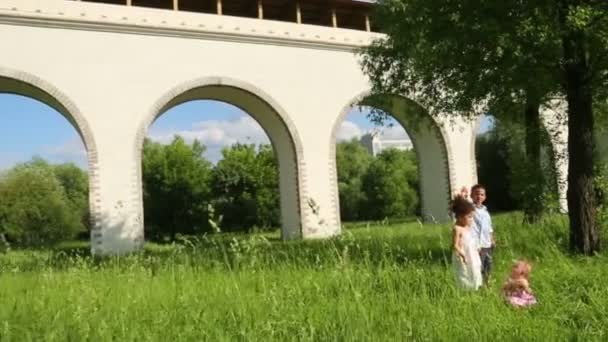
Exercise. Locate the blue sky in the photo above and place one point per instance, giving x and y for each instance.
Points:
(29, 128)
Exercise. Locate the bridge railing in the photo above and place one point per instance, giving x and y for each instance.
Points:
(347, 14)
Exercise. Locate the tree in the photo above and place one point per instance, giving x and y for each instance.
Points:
(447, 72)
(246, 188)
(463, 53)
(501, 169)
(391, 184)
(176, 188)
(352, 162)
(34, 208)
(528, 196)
(75, 183)
(268, 197)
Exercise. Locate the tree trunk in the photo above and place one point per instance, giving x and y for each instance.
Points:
(584, 234)
(533, 208)
(4, 245)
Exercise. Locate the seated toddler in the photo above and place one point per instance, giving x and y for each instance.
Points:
(516, 289)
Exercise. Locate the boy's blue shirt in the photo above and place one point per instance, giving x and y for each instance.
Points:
(482, 226)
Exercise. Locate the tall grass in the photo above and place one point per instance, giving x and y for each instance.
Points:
(380, 283)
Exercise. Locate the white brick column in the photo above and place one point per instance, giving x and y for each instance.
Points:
(319, 192)
(460, 137)
(555, 119)
(117, 195)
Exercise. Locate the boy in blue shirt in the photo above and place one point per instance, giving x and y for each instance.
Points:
(483, 230)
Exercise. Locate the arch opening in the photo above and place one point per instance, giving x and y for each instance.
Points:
(56, 166)
(504, 168)
(284, 142)
(427, 142)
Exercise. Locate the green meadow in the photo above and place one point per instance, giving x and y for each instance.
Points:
(376, 282)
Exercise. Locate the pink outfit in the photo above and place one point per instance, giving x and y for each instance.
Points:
(521, 298)
(517, 293)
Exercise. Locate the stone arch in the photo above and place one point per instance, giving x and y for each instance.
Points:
(272, 118)
(554, 121)
(422, 130)
(25, 84)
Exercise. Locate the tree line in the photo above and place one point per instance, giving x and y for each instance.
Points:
(376, 188)
(185, 194)
(41, 203)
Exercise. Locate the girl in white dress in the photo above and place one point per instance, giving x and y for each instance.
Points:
(465, 258)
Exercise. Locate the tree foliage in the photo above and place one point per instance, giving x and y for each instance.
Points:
(352, 162)
(246, 188)
(456, 56)
(375, 188)
(176, 188)
(42, 203)
(75, 183)
(35, 208)
(391, 184)
(183, 191)
(502, 169)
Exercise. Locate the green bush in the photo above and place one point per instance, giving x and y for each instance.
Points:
(512, 181)
(34, 208)
(176, 189)
(75, 183)
(391, 185)
(601, 186)
(352, 162)
(245, 186)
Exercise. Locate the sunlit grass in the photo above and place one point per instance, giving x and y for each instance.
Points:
(375, 282)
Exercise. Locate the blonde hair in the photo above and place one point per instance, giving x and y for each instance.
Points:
(518, 280)
(521, 269)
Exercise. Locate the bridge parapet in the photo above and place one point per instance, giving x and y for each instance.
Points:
(150, 21)
(353, 14)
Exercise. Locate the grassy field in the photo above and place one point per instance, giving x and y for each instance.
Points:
(374, 283)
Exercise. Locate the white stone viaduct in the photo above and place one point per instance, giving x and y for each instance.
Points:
(112, 70)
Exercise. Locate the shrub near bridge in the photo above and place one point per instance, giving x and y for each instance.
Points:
(34, 208)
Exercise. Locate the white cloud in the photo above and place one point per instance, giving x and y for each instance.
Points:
(70, 151)
(217, 134)
(394, 132)
(348, 130)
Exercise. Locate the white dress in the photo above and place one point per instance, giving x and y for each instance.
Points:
(468, 276)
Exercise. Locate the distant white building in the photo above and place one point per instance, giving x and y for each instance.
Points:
(374, 144)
